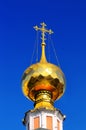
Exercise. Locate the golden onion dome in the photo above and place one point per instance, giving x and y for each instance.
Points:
(43, 81)
(43, 76)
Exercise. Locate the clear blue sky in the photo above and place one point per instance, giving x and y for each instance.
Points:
(67, 18)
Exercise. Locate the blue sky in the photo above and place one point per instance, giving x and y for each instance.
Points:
(67, 18)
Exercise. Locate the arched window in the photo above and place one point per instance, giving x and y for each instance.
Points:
(58, 125)
(49, 122)
(36, 123)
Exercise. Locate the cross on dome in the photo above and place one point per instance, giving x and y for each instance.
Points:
(43, 30)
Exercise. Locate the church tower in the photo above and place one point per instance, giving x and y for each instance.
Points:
(43, 83)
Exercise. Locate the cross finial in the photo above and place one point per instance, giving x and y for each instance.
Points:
(43, 30)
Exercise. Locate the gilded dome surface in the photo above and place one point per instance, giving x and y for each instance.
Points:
(43, 76)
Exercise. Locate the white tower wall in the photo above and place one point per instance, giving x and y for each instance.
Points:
(44, 119)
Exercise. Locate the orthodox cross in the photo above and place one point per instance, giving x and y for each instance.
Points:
(43, 30)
